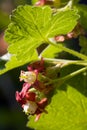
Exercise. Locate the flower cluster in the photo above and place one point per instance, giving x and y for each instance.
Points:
(78, 30)
(32, 97)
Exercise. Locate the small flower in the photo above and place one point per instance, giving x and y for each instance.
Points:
(30, 96)
(28, 76)
(35, 108)
(30, 107)
(21, 95)
(59, 38)
(41, 108)
(40, 2)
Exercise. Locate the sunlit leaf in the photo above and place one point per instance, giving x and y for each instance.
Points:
(31, 26)
(51, 52)
(68, 107)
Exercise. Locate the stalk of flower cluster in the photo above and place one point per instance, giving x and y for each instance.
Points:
(75, 53)
(69, 76)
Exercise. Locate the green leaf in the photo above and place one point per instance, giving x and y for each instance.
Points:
(31, 26)
(68, 107)
(82, 10)
(62, 22)
(14, 63)
(51, 51)
(83, 44)
(34, 24)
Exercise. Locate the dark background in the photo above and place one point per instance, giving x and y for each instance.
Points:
(11, 115)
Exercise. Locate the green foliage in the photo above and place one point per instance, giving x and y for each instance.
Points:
(53, 52)
(82, 9)
(14, 63)
(68, 107)
(83, 44)
(32, 26)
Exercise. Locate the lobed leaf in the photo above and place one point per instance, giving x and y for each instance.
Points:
(31, 26)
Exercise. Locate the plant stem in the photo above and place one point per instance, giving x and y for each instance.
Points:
(75, 73)
(70, 75)
(66, 62)
(68, 6)
(75, 53)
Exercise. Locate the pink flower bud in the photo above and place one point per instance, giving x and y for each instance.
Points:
(40, 2)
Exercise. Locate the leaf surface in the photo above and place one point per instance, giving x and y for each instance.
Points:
(68, 107)
(51, 52)
(14, 63)
(31, 26)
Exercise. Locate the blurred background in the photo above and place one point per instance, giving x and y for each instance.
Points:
(11, 115)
